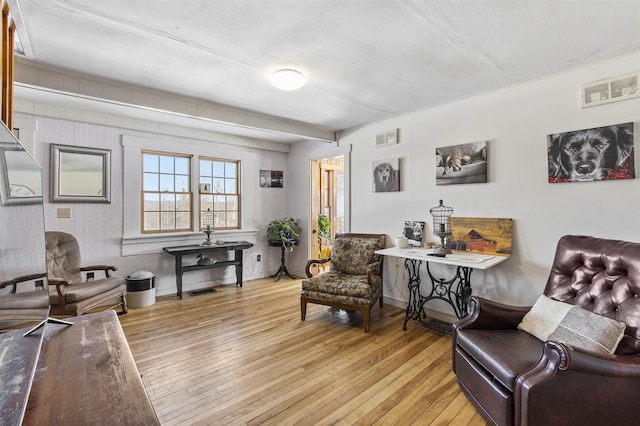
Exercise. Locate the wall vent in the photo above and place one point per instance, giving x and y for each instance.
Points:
(389, 137)
(610, 90)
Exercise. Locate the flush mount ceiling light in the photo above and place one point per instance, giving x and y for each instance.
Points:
(287, 79)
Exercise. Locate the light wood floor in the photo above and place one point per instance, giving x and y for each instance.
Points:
(241, 356)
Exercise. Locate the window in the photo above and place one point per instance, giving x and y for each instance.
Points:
(219, 191)
(142, 232)
(166, 192)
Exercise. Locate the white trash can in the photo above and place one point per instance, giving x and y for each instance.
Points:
(141, 289)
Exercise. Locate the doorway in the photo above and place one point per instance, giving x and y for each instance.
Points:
(327, 206)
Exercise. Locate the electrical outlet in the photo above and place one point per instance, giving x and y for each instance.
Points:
(64, 212)
(259, 257)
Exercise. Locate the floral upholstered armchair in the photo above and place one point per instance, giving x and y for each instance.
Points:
(354, 279)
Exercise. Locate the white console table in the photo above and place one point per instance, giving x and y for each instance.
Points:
(455, 290)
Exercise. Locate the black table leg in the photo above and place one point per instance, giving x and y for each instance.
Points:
(283, 268)
(414, 306)
(455, 291)
(238, 259)
(179, 275)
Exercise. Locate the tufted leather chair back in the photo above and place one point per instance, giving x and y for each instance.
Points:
(602, 276)
(63, 257)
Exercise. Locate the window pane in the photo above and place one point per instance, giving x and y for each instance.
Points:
(167, 183)
(232, 219)
(168, 220)
(230, 169)
(183, 203)
(218, 169)
(220, 220)
(167, 202)
(152, 221)
(206, 180)
(205, 168)
(166, 164)
(232, 202)
(182, 183)
(150, 163)
(217, 186)
(151, 202)
(206, 202)
(229, 186)
(182, 166)
(219, 203)
(183, 220)
(150, 182)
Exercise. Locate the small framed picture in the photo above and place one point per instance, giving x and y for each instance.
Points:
(466, 163)
(413, 230)
(386, 175)
(271, 179)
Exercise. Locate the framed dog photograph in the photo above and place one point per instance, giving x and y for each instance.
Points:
(466, 163)
(600, 153)
(386, 175)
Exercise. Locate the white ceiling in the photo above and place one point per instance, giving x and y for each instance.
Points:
(365, 60)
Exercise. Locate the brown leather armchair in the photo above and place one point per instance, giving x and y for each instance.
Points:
(354, 279)
(68, 291)
(515, 379)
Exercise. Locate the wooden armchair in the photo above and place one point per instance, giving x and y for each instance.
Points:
(68, 290)
(354, 279)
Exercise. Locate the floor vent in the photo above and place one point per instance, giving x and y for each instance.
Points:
(201, 292)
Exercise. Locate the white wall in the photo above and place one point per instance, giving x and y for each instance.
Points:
(99, 227)
(515, 121)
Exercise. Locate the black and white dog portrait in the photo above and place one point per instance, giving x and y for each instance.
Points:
(386, 175)
(602, 153)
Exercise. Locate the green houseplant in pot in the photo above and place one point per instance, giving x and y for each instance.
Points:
(324, 236)
(284, 231)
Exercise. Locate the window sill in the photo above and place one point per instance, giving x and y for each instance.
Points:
(151, 244)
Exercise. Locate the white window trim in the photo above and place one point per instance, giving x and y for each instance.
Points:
(134, 242)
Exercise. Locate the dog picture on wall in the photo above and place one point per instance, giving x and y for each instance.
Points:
(386, 175)
(601, 153)
(465, 163)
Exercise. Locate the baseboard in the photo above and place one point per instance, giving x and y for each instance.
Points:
(433, 313)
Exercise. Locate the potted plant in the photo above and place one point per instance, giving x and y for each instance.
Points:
(324, 236)
(284, 231)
